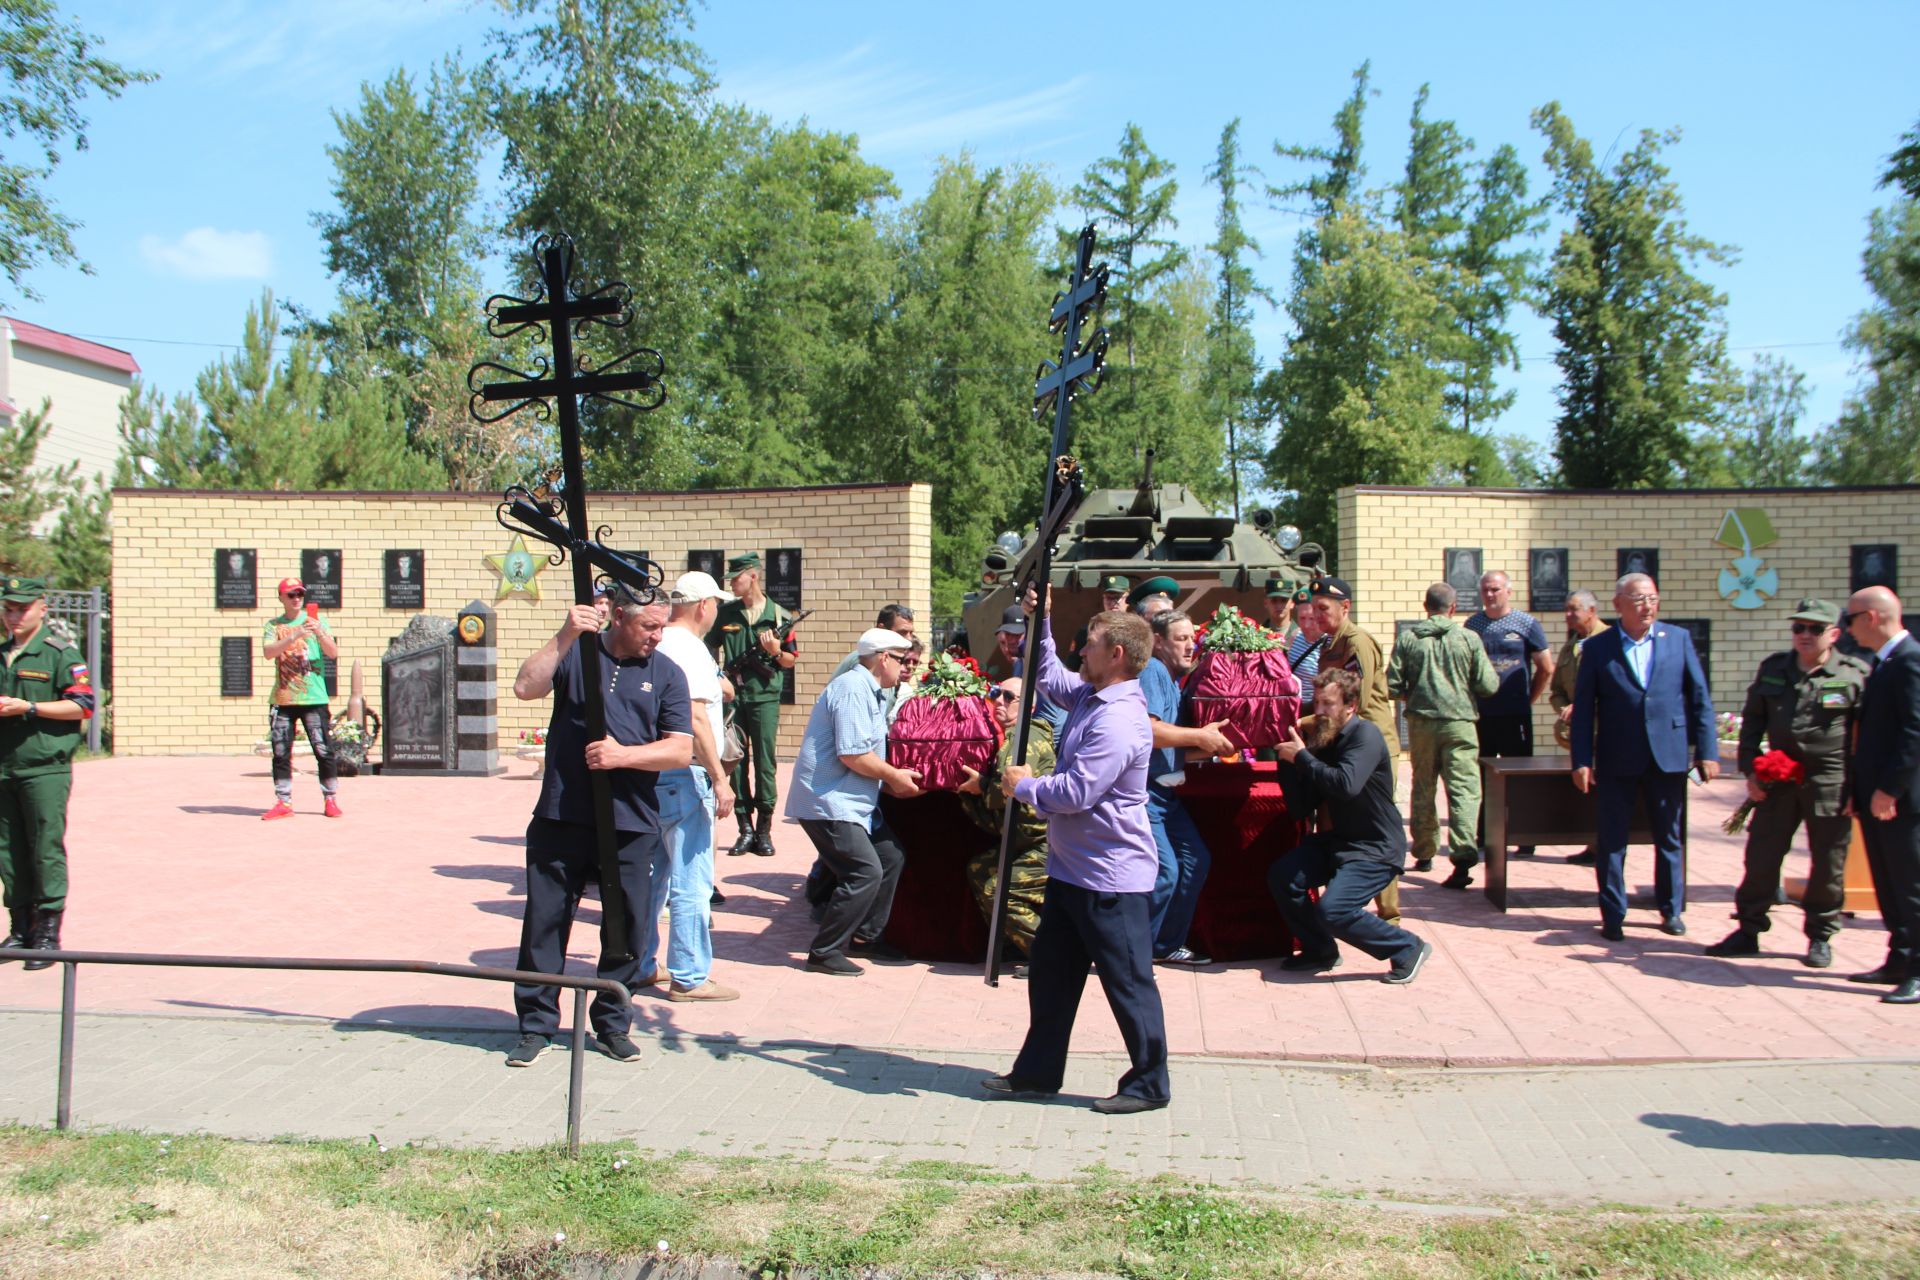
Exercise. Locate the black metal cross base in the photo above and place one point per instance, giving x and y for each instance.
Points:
(1055, 388)
(557, 313)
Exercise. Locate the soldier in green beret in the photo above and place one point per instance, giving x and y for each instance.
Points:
(1803, 701)
(45, 693)
(757, 662)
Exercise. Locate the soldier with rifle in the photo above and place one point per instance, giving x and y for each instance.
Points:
(754, 639)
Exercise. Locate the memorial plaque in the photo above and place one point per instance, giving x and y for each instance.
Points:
(1874, 564)
(1400, 627)
(234, 586)
(1460, 569)
(1628, 560)
(1546, 580)
(709, 562)
(236, 666)
(417, 694)
(406, 579)
(782, 569)
(1701, 629)
(320, 571)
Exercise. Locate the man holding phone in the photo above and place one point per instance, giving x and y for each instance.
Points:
(297, 643)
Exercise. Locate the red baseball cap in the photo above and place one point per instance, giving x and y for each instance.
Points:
(292, 584)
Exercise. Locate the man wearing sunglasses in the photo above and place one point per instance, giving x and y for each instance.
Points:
(299, 647)
(1803, 701)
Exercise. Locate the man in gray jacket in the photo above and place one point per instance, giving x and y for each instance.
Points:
(1441, 671)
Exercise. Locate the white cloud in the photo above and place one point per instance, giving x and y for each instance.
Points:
(207, 253)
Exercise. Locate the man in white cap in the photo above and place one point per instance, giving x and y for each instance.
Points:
(691, 800)
(835, 797)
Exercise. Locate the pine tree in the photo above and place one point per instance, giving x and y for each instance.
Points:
(1232, 364)
(27, 493)
(1642, 340)
(1876, 439)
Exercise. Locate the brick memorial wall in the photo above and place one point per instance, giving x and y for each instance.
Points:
(863, 546)
(1395, 541)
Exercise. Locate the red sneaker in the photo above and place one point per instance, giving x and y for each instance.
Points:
(281, 809)
(333, 810)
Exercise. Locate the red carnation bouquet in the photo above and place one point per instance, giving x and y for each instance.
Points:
(1242, 677)
(1771, 769)
(945, 724)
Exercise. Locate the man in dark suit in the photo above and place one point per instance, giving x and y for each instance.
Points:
(1641, 717)
(1885, 783)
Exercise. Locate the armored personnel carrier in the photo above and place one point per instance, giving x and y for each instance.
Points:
(1145, 532)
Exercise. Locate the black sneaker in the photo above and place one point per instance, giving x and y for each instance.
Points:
(1738, 943)
(718, 899)
(1406, 971)
(1020, 971)
(1311, 964)
(1126, 1104)
(1186, 956)
(1612, 932)
(1460, 879)
(876, 949)
(1014, 1087)
(619, 1046)
(835, 966)
(529, 1048)
(1819, 954)
(1423, 864)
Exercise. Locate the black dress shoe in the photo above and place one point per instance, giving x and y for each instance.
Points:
(1423, 864)
(876, 949)
(1885, 975)
(1738, 943)
(1126, 1104)
(1613, 933)
(718, 899)
(1584, 858)
(1907, 992)
(1311, 964)
(1674, 927)
(1015, 1087)
(1460, 879)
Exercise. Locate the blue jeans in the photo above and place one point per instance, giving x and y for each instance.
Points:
(683, 878)
(1341, 913)
(1184, 863)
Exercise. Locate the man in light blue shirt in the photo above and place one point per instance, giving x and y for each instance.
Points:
(835, 796)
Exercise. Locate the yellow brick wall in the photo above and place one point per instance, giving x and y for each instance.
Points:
(862, 547)
(1393, 540)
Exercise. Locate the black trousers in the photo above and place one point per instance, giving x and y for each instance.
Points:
(1893, 855)
(561, 859)
(1111, 933)
(865, 867)
(316, 721)
(1510, 735)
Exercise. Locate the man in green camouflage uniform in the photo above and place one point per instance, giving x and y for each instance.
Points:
(45, 694)
(1441, 671)
(757, 663)
(1027, 873)
(1803, 702)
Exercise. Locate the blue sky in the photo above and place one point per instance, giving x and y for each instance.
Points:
(198, 190)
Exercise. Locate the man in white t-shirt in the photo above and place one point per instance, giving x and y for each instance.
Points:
(691, 799)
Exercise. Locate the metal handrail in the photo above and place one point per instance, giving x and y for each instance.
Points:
(71, 960)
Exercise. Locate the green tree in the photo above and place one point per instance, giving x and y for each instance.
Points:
(1761, 444)
(52, 67)
(1133, 208)
(81, 543)
(1232, 364)
(1642, 341)
(1876, 439)
(1333, 183)
(27, 493)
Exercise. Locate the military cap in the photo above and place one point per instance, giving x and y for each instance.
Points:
(741, 563)
(1332, 588)
(1279, 588)
(1811, 609)
(1153, 587)
(24, 590)
(1113, 584)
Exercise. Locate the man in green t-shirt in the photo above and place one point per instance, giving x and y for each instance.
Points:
(298, 644)
(45, 693)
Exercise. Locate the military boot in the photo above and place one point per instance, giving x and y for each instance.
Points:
(19, 929)
(763, 836)
(46, 937)
(745, 843)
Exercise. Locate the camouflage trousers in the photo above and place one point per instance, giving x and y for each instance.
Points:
(1026, 889)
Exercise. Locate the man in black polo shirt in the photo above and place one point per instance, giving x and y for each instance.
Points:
(649, 731)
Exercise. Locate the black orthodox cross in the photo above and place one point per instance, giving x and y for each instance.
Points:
(1055, 388)
(557, 313)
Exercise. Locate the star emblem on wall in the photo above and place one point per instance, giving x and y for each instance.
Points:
(518, 570)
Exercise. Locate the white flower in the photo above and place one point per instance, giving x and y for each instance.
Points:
(662, 1246)
(559, 1237)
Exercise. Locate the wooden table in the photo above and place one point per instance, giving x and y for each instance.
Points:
(1532, 800)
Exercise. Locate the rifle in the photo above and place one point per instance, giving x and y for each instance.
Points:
(749, 663)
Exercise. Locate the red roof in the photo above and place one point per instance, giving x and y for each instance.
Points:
(66, 344)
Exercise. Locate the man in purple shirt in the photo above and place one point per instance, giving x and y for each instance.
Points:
(1101, 865)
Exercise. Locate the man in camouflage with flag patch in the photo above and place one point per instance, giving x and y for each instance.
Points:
(1027, 873)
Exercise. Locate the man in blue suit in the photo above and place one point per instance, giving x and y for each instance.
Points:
(1641, 717)
(1884, 786)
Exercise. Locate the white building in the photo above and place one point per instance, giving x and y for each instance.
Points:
(85, 383)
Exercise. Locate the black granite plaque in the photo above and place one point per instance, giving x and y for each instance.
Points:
(1701, 629)
(1546, 579)
(234, 586)
(782, 570)
(1628, 560)
(236, 666)
(320, 571)
(419, 697)
(406, 579)
(1460, 569)
(1874, 564)
(710, 562)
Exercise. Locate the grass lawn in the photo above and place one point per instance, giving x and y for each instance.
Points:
(125, 1204)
